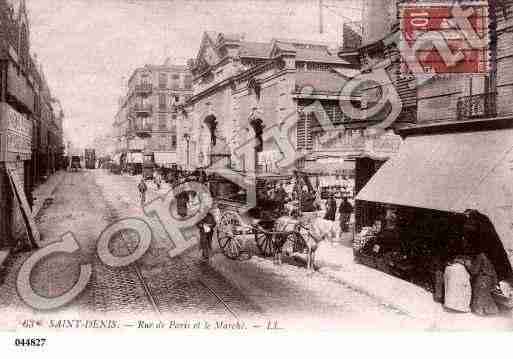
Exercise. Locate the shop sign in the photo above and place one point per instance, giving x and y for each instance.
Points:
(350, 142)
(384, 145)
(15, 134)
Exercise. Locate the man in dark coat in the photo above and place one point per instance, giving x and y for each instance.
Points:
(345, 210)
(142, 187)
(331, 208)
(481, 233)
(206, 229)
(182, 199)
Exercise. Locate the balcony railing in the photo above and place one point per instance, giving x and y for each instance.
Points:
(142, 110)
(143, 89)
(477, 106)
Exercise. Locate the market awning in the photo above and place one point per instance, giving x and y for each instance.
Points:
(452, 172)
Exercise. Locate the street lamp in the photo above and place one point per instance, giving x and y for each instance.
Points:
(187, 138)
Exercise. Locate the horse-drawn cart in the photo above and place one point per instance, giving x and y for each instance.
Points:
(268, 224)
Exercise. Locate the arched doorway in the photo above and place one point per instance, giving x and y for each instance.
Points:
(258, 127)
(211, 123)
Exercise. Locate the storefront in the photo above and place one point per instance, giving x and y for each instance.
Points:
(377, 150)
(17, 226)
(422, 193)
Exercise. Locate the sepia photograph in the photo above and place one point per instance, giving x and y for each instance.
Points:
(252, 166)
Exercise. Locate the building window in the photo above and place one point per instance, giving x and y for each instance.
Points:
(173, 141)
(162, 122)
(188, 82)
(318, 67)
(162, 101)
(304, 131)
(175, 81)
(163, 80)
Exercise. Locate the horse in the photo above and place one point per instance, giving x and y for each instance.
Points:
(313, 232)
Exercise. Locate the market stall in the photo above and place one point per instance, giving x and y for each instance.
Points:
(422, 194)
(332, 176)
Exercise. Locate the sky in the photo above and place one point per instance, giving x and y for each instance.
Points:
(89, 48)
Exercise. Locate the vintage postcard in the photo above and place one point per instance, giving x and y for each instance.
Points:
(251, 166)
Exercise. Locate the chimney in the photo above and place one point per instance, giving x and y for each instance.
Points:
(375, 15)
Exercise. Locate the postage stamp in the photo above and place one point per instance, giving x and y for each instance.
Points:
(446, 37)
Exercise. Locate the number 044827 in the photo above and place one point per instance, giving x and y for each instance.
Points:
(29, 342)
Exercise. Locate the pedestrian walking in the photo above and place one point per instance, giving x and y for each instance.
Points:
(206, 230)
(345, 210)
(331, 208)
(182, 202)
(157, 179)
(142, 191)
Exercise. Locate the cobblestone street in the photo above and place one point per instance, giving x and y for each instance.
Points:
(86, 202)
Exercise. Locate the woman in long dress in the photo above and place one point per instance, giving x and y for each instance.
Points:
(484, 280)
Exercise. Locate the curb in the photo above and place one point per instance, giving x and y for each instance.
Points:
(365, 290)
(37, 208)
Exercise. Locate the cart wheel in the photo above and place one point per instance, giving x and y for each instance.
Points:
(265, 244)
(299, 242)
(228, 241)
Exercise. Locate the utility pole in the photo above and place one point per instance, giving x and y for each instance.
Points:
(321, 20)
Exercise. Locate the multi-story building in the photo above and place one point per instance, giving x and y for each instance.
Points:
(457, 150)
(243, 87)
(448, 96)
(27, 152)
(146, 117)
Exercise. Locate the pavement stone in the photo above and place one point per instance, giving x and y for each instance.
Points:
(337, 262)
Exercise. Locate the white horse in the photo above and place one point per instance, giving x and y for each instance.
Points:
(313, 231)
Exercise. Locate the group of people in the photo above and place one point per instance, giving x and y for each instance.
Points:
(472, 275)
(183, 202)
(285, 196)
(345, 210)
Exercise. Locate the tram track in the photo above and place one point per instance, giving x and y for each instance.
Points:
(181, 284)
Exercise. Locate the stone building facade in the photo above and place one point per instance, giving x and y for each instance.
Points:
(447, 97)
(146, 117)
(243, 88)
(30, 124)
(462, 105)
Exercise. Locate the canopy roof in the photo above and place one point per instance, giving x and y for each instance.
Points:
(452, 172)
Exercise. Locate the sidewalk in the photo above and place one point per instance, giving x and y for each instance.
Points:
(45, 190)
(41, 194)
(337, 262)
